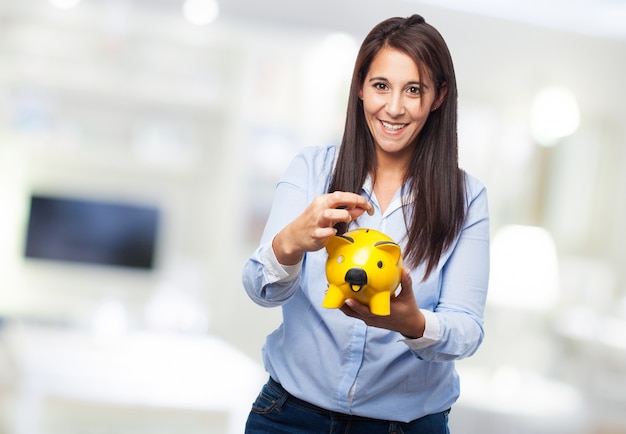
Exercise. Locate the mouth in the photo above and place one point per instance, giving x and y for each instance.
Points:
(392, 127)
(356, 287)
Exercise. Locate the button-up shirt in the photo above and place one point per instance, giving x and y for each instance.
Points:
(339, 363)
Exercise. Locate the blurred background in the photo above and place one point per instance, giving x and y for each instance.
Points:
(159, 128)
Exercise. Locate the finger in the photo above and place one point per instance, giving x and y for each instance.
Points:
(350, 201)
(406, 284)
(362, 311)
(406, 279)
(332, 216)
(325, 232)
(355, 213)
(362, 203)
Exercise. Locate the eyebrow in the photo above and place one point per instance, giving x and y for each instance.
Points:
(410, 83)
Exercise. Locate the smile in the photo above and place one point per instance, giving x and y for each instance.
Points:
(392, 127)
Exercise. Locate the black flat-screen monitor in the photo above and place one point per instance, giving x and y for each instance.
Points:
(92, 231)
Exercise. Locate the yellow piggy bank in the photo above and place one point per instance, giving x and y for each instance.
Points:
(363, 264)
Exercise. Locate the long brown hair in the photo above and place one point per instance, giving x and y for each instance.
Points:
(435, 182)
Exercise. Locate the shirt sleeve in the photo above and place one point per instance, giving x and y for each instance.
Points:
(276, 271)
(432, 332)
(266, 281)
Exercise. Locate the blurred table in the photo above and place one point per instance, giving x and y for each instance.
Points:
(139, 369)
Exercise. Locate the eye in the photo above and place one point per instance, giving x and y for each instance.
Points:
(340, 259)
(380, 264)
(414, 90)
(380, 86)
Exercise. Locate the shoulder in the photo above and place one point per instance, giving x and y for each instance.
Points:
(319, 155)
(315, 160)
(473, 187)
(311, 168)
(476, 200)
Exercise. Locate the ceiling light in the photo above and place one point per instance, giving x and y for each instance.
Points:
(200, 12)
(554, 115)
(524, 269)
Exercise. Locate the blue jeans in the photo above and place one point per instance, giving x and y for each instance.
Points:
(275, 411)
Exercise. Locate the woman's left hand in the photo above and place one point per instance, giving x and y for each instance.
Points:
(405, 316)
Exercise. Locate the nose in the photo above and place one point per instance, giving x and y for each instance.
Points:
(356, 278)
(395, 106)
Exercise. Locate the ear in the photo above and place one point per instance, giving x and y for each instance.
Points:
(392, 248)
(337, 241)
(443, 91)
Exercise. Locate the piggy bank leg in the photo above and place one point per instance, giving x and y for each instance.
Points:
(380, 304)
(334, 298)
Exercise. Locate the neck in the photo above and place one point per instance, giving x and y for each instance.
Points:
(387, 181)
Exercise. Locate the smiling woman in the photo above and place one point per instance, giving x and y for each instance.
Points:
(397, 103)
(398, 158)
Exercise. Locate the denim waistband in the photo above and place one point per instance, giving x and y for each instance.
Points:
(299, 402)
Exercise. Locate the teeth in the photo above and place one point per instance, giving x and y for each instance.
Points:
(392, 127)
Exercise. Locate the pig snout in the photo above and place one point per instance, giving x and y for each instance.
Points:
(356, 278)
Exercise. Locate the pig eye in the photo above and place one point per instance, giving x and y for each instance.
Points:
(380, 264)
(340, 259)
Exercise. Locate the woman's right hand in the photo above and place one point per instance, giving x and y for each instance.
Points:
(312, 229)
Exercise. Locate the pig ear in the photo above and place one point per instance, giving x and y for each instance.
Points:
(392, 248)
(337, 241)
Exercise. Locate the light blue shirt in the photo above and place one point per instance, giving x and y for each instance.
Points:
(336, 362)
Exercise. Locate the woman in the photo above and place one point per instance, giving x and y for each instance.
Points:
(347, 370)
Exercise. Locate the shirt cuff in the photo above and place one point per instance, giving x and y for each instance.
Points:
(275, 271)
(432, 332)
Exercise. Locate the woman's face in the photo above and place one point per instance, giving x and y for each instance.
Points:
(396, 101)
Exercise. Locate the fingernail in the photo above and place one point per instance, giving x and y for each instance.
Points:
(370, 210)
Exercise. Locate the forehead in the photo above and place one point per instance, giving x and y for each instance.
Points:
(393, 64)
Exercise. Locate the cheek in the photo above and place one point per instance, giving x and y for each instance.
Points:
(367, 108)
(420, 119)
(419, 111)
(372, 103)
(370, 115)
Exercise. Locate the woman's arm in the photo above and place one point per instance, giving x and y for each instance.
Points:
(464, 282)
(301, 220)
(454, 329)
